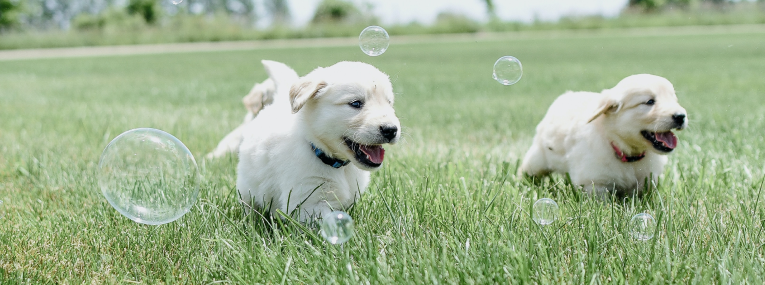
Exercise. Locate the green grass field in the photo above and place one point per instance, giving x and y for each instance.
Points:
(445, 208)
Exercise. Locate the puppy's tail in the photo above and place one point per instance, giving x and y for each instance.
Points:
(282, 75)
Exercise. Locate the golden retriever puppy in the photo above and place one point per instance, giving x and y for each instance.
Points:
(610, 142)
(260, 96)
(312, 150)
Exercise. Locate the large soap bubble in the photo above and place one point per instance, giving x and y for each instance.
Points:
(507, 70)
(374, 40)
(149, 176)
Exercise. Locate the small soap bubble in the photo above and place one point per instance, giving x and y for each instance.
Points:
(337, 227)
(148, 176)
(544, 211)
(508, 70)
(642, 226)
(374, 40)
(176, 2)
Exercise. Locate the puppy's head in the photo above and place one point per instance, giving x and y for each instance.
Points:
(347, 109)
(641, 110)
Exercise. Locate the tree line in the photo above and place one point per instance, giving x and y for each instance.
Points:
(62, 14)
(92, 14)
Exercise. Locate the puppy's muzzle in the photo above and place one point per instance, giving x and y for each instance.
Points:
(389, 132)
(679, 119)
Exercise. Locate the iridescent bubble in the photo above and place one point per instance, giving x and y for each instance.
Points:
(507, 70)
(642, 226)
(374, 40)
(149, 176)
(176, 2)
(544, 211)
(337, 227)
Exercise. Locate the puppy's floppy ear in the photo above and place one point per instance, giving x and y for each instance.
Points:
(608, 105)
(303, 90)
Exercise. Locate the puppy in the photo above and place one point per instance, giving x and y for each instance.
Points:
(609, 142)
(261, 95)
(313, 149)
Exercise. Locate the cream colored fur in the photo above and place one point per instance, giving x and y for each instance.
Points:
(277, 167)
(575, 135)
(260, 96)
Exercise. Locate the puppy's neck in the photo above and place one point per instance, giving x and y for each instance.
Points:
(327, 149)
(611, 136)
(626, 148)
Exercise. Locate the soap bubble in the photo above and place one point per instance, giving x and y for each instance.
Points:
(544, 211)
(642, 226)
(149, 176)
(508, 70)
(374, 40)
(337, 227)
(176, 2)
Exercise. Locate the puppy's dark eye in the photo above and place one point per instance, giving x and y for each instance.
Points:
(356, 104)
(650, 102)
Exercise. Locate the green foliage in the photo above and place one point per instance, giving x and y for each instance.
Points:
(657, 5)
(490, 10)
(148, 9)
(9, 14)
(445, 208)
(336, 11)
(454, 23)
(647, 5)
(116, 27)
(110, 21)
(278, 10)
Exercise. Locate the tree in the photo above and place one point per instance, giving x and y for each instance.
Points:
(336, 11)
(655, 5)
(9, 14)
(490, 9)
(148, 9)
(647, 5)
(279, 11)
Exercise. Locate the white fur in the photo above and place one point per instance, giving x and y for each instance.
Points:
(260, 96)
(277, 167)
(575, 135)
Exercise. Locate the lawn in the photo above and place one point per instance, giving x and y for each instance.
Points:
(445, 208)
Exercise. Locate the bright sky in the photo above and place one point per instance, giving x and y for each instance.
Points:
(425, 11)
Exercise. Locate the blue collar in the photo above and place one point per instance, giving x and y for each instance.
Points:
(334, 162)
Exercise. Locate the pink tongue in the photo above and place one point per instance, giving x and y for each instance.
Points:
(375, 153)
(668, 139)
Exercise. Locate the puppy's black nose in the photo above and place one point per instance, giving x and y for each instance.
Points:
(389, 131)
(679, 118)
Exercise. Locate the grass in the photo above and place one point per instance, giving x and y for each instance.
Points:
(445, 208)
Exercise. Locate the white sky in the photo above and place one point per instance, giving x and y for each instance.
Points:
(425, 11)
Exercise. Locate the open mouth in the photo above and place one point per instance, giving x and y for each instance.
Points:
(369, 155)
(665, 141)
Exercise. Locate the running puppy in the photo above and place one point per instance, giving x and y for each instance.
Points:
(609, 142)
(312, 150)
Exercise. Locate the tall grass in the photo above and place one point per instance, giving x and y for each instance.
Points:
(445, 208)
